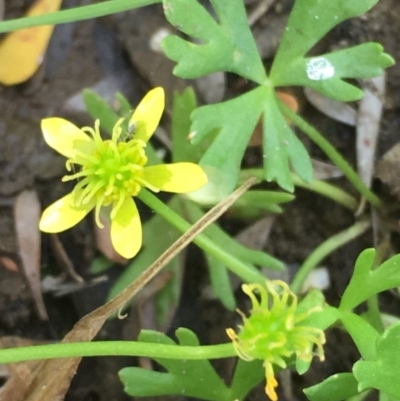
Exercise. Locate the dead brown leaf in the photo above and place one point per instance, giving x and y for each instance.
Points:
(368, 127)
(27, 215)
(334, 109)
(8, 263)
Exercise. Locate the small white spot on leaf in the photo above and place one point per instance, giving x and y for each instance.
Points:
(319, 68)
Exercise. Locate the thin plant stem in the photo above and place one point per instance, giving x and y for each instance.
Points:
(321, 187)
(115, 348)
(323, 250)
(373, 314)
(244, 271)
(75, 14)
(332, 153)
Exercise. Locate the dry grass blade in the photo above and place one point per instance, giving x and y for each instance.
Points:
(369, 119)
(50, 381)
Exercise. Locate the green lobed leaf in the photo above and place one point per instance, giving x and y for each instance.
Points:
(223, 45)
(236, 120)
(382, 372)
(281, 147)
(309, 21)
(193, 378)
(335, 388)
(366, 282)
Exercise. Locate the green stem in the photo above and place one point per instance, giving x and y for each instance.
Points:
(75, 14)
(332, 153)
(317, 186)
(241, 269)
(115, 348)
(323, 250)
(373, 314)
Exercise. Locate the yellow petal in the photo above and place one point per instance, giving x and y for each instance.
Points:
(60, 216)
(126, 230)
(175, 177)
(147, 115)
(22, 51)
(65, 137)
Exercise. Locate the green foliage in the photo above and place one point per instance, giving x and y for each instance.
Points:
(226, 44)
(335, 388)
(382, 372)
(309, 21)
(254, 204)
(199, 379)
(367, 282)
(218, 272)
(167, 297)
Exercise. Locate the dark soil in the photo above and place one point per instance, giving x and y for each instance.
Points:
(116, 50)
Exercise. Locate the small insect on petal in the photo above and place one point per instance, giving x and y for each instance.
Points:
(147, 115)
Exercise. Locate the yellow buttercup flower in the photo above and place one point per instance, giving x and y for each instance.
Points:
(110, 172)
(275, 330)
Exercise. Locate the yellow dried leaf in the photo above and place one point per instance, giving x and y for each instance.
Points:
(21, 52)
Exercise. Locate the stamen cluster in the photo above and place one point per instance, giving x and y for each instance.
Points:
(274, 330)
(109, 174)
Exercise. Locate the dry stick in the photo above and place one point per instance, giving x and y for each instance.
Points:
(261, 9)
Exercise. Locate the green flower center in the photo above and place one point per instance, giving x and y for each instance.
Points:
(274, 330)
(109, 173)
